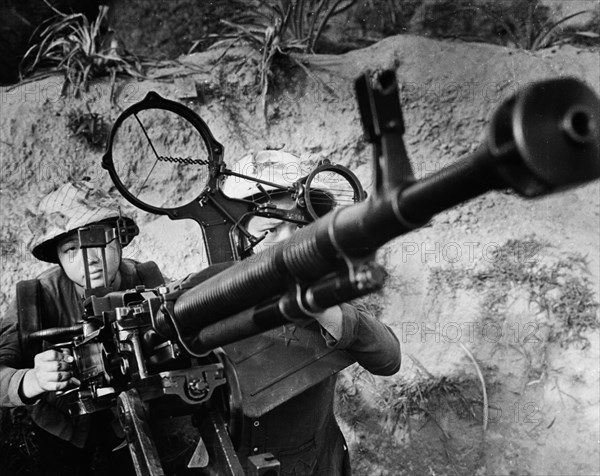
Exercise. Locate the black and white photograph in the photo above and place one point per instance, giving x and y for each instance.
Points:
(300, 237)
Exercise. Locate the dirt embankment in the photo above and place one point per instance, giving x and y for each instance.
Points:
(508, 279)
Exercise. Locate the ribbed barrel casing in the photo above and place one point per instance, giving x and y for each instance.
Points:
(310, 254)
(234, 289)
(307, 255)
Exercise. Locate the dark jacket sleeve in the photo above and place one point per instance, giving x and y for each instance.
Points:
(373, 344)
(11, 362)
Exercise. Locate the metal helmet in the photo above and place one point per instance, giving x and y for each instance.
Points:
(276, 166)
(71, 206)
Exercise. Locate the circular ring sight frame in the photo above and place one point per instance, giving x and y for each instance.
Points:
(215, 153)
(211, 209)
(327, 166)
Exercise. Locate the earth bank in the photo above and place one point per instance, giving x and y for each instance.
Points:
(473, 279)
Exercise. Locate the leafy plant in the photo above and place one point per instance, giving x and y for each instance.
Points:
(89, 127)
(388, 17)
(80, 49)
(453, 19)
(558, 289)
(297, 24)
(211, 29)
(363, 397)
(526, 24)
(425, 396)
(277, 30)
(587, 34)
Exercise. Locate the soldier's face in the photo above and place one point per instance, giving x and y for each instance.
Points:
(274, 229)
(71, 259)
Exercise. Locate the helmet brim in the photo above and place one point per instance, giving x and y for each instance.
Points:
(47, 249)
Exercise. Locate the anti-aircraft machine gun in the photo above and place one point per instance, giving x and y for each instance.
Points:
(160, 351)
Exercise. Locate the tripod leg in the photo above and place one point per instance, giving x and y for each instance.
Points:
(139, 438)
(219, 446)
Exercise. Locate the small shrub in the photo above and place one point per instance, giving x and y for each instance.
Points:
(279, 29)
(211, 29)
(386, 17)
(451, 19)
(423, 396)
(560, 289)
(575, 311)
(80, 49)
(89, 127)
(526, 24)
(427, 395)
(297, 25)
(587, 34)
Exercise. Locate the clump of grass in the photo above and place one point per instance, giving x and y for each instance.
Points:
(424, 396)
(451, 279)
(80, 49)
(389, 18)
(576, 311)
(512, 262)
(587, 34)
(510, 265)
(296, 25)
(89, 127)
(559, 288)
(526, 24)
(279, 29)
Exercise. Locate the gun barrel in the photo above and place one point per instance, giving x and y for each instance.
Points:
(544, 139)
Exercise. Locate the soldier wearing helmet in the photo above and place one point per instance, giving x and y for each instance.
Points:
(302, 432)
(278, 167)
(81, 445)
